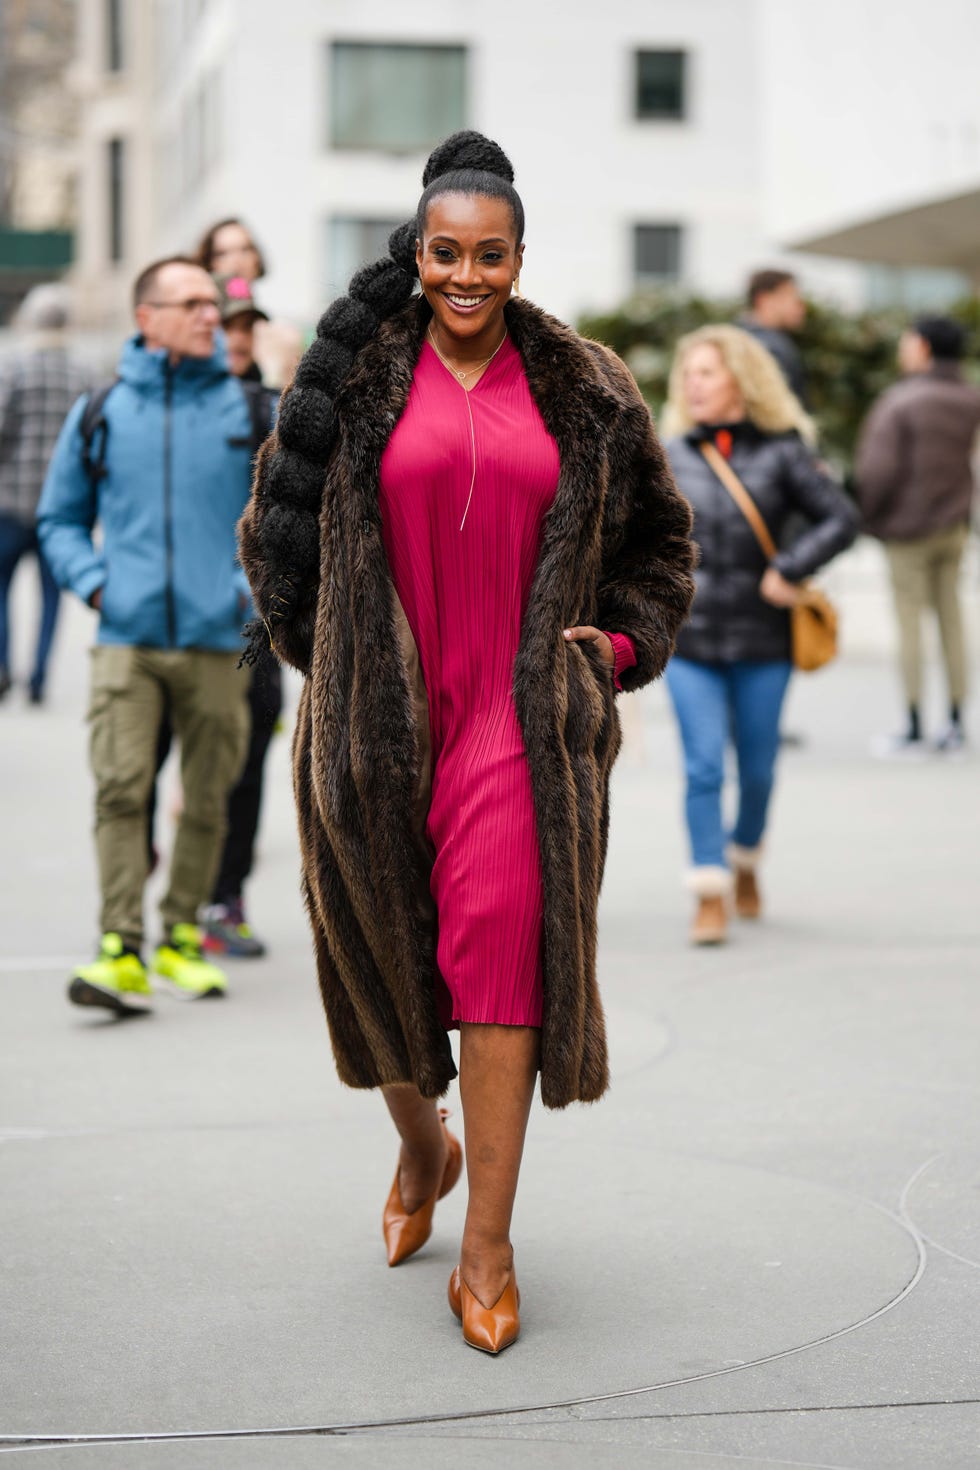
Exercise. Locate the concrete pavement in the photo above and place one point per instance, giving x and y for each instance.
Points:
(762, 1248)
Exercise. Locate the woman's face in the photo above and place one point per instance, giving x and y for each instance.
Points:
(233, 253)
(467, 259)
(711, 392)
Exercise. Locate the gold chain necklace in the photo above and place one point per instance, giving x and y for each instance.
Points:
(469, 371)
(469, 412)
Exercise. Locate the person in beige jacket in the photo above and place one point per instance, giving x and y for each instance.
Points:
(915, 487)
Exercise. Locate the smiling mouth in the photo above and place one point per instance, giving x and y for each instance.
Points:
(465, 303)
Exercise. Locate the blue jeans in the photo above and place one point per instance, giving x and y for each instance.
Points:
(16, 540)
(717, 703)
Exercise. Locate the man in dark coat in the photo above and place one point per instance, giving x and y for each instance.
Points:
(915, 485)
(776, 311)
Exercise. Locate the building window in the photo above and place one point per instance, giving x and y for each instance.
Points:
(656, 254)
(660, 85)
(116, 160)
(399, 98)
(352, 243)
(914, 288)
(114, 35)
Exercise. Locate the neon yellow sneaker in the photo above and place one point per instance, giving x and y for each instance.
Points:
(181, 963)
(116, 980)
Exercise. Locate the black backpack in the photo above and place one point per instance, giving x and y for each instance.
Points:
(259, 400)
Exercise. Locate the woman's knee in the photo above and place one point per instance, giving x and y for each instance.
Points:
(704, 765)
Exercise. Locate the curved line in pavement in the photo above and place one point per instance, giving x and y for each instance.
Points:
(944, 1250)
(900, 1218)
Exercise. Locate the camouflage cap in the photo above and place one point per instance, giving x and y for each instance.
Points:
(237, 299)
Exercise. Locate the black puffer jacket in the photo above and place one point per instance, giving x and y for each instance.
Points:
(729, 620)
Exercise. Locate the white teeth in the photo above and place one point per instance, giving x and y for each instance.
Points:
(466, 300)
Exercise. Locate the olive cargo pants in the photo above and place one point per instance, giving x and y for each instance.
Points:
(204, 693)
(925, 574)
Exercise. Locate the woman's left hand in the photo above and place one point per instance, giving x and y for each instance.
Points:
(593, 635)
(776, 590)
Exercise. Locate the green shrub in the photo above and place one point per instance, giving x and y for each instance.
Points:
(849, 357)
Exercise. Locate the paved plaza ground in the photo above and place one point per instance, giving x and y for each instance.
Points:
(762, 1249)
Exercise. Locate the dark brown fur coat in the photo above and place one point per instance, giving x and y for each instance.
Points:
(616, 552)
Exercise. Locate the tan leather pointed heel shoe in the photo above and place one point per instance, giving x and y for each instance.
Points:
(406, 1233)
(491, 1329)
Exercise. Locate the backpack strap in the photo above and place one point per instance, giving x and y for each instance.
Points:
(741, 497)
(95, 431)
(260, 402)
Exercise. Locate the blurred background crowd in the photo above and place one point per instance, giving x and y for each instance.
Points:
(664, 154)
(809, 173)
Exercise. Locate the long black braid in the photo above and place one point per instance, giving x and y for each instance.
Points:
(288, 486)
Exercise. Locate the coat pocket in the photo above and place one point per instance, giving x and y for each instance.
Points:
(589, 697)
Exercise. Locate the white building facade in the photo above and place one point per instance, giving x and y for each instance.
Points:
(655, 141)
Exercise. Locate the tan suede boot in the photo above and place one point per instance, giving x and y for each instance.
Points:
(710, 922)
(748, 900)
(713, 889)
(748, 903)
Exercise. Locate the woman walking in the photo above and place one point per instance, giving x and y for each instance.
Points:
(732, 667)
(465, 533)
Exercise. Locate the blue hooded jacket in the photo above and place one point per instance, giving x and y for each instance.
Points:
(178, 463)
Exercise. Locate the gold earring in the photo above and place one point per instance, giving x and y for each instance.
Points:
(517, 284)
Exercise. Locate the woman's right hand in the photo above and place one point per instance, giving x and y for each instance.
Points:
(777, 590)
(600, 641)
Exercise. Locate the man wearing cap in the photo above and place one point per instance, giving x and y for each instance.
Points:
(239, 313)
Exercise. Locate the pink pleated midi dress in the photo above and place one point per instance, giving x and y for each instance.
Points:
(462, 503)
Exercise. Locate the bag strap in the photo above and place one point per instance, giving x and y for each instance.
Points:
(93, 423)
(260, 402)
(741, 497)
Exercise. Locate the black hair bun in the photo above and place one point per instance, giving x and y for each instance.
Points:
(467, 150)
(384, 286)
(290, 538)
(401, 247)
(351, 320)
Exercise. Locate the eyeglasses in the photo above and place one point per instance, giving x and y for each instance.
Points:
(195, 304)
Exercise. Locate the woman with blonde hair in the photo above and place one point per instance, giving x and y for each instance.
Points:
(729, 405)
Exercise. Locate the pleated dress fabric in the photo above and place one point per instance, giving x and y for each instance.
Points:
(462, 503)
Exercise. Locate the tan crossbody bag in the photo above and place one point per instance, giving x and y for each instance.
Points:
(813, 619)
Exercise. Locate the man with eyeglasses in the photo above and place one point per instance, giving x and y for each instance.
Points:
(170, 480)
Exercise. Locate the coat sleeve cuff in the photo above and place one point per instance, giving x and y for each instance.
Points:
(625, 655)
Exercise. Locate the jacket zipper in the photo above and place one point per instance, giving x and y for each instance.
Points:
(168, 525)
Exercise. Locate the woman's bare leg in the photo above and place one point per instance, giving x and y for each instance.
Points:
(422, 1160)
(497, 1072)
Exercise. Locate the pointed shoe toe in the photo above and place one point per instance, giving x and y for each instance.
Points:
(491, 1329)
(406, 1233)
